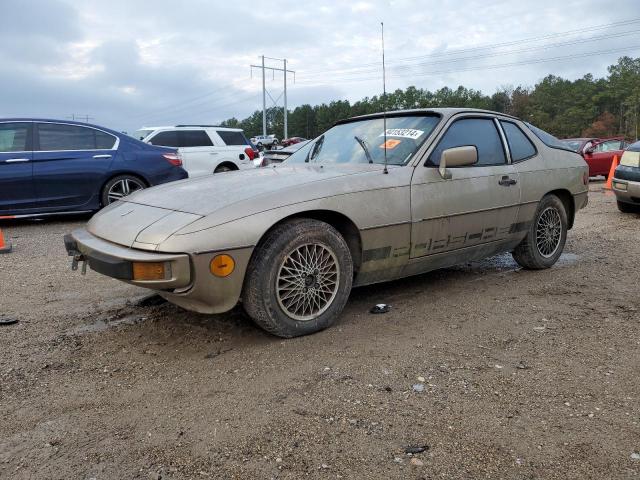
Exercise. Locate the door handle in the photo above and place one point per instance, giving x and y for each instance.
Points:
(213, 153)
(16, 160)
(102, 156)
(506, 181)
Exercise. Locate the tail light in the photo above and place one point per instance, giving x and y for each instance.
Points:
(250, 153)
(173, 158)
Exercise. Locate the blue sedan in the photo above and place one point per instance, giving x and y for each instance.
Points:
(52, 166)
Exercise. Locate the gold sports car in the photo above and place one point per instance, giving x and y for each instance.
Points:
(375, 198)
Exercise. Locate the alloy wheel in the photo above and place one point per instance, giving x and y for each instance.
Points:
(548, 232)
(307, 281)
(122, 188)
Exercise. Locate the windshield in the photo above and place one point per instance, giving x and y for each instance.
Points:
(141, 134)
(363, 141)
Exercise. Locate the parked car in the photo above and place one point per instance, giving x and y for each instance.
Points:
(597, 152)
(54, 166)
(262, 141)
(358, 205)
(626, 180)
(291, 141)
(273, 157)
(205, 149)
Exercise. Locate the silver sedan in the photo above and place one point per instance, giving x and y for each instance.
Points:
(375, 198)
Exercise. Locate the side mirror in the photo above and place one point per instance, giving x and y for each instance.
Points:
(590, 150)
(457, 157)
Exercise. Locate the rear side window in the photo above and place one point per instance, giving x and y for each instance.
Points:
(232, 138)
(56, 136)
(479, 132)
(548, 139)
(104, 141)
(13, 137)
(166, 139)
(520, 146)
(194, 138)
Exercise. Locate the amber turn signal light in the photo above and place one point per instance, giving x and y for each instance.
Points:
(222, 265)
(148, 271)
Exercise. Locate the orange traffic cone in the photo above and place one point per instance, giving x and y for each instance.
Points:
(612, 170)
(5, 246)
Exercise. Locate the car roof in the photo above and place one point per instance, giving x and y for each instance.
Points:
(189, 127)
(66, 122)
(443, 112)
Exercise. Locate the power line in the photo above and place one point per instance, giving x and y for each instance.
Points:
(265, 92)
(488, 55)
(486, 67)
(488, 46)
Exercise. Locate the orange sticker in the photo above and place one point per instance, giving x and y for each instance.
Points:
(391, 144)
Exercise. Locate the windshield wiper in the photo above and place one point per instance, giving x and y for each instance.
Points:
(363, 144)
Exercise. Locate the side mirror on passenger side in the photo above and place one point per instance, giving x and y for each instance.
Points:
(457, 157)
(590, 150)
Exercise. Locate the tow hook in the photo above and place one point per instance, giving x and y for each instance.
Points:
(78, 258)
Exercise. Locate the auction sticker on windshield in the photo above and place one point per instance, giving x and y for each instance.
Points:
(403, 132)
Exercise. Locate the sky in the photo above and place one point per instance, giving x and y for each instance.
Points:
(132, 63)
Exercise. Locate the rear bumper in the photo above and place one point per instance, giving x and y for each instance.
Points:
(117, 261)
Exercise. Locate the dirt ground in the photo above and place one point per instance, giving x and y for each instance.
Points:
(527, 375)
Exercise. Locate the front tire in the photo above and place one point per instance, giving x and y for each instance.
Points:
(299, 278)
(119, 187)
(546, 237)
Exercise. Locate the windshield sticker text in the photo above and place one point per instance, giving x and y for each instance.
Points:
(403, 132)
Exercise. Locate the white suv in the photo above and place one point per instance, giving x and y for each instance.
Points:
(205, 149)
(262, 141)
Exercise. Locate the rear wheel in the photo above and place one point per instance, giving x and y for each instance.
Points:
(546, 237)
(223, 168)
(299, 278)
(119, 187)
(628, 208)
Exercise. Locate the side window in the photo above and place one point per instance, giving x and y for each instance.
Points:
(480, 132)
(520, 146)
(232, 138)
(56, 136)
(194, 138)
(166, 139)
(14, 137)
(104, 141)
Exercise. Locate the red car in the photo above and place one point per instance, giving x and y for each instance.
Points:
(597, 152)
(290, 141)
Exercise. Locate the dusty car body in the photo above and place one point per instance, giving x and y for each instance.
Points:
(426, 208)
(626, 180)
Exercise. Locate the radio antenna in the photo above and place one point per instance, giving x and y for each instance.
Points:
(384, 101)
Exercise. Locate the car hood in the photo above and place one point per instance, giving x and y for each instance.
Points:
(205, 195)
(147, 218)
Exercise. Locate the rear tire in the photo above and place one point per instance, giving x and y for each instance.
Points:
(223, 168)
(546, 237)
(119, 187)
(627, 207)
(299, 278)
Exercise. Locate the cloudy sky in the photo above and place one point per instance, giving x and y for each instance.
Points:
(129, 63)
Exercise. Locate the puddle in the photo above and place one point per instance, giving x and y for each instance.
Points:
(102, 325)
(504, 263)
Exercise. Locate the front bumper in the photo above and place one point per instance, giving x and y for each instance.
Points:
(117, 261)
(626, 191)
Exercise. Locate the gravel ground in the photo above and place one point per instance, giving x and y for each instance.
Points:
(525, 375)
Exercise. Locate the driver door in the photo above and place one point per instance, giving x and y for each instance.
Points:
(477, 206)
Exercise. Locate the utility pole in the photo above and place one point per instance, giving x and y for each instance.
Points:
(264, 102)
(265, 92)
(80, 118)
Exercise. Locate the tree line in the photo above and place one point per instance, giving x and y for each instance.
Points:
(587, 106)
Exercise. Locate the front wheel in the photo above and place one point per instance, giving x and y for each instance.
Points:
(546, 237)
(119, 187)
(299, 278)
